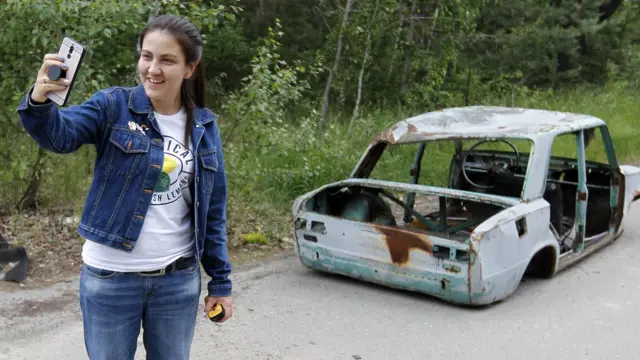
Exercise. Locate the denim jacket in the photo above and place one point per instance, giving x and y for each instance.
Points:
(128, 165)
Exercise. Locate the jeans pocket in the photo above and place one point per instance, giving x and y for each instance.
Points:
(190, 270)
(97, 272)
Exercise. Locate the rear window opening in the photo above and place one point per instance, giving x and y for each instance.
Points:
(453, 218)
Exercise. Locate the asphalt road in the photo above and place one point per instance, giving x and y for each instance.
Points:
(283, 311)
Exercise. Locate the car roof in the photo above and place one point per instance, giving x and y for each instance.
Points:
(486, 122)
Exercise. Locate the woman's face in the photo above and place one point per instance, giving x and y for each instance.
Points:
(162, 67)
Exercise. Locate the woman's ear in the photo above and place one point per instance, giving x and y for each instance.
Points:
(191, 70)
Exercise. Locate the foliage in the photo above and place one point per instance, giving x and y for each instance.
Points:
(107, 29)
(271, 87)
(567, 42)
(255, 238)
(267, 64)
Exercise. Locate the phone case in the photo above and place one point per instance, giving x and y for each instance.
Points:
(73, 53)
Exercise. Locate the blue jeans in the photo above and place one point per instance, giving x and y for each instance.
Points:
(115, 306)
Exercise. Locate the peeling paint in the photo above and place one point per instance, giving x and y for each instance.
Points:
(481, 121)
(452, 268)
(390, 275)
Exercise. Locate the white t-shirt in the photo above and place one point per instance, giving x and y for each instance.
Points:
(167, 233)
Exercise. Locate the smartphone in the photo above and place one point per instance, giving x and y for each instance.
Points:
(73, 53)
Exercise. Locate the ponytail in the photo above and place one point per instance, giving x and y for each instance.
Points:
(192, 94)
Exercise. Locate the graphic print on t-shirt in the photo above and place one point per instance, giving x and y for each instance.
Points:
(174, 177)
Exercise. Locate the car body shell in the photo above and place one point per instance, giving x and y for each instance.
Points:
(488, 264)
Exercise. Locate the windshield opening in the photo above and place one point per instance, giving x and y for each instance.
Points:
(495, 167)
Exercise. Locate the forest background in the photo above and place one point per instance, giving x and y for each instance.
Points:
(302, 86)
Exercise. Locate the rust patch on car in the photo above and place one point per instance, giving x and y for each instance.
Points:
(444, 283)
(452, 268)
(472, 260)
(384, 137)
(400, 242)
(582, 196)
(412, 129)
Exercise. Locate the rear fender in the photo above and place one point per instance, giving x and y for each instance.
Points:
(508, 241)
(632, 185)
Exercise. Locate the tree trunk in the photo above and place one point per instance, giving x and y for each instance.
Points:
(395, 46)
(364, 64)
(407, 55)
(422, 70)
(467, 91)
(360, 79)
(28, 199)
(334, 69)
(433, 29)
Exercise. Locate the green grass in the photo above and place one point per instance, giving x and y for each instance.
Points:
(269, 168)
(298, 162)
(616, 104)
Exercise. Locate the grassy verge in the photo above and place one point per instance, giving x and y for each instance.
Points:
(296, 161)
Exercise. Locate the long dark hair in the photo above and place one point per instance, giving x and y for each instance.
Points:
(192, 92)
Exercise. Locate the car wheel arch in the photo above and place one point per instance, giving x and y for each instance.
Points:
(544, 262)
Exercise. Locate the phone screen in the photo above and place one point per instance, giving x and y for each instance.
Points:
(72, 52)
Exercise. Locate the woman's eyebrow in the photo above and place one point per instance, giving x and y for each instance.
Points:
(161, 55)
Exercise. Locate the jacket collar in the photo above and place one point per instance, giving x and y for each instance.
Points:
(139, 103)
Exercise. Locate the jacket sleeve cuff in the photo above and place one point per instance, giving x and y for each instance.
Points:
(217, 289)
(37, 111)
(28, 104)
(36, 104)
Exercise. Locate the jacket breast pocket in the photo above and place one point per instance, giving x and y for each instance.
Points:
(128, 152)
(209, 163)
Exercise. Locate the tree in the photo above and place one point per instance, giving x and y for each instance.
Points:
(334, 69)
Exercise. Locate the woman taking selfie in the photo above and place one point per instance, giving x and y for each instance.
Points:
(157, 203)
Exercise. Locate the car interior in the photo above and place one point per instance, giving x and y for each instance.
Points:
(503, 173)
(500, 170)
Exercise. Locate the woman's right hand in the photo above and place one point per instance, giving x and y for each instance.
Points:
(43, 83)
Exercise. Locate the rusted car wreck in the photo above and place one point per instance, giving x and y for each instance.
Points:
(520, 206)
